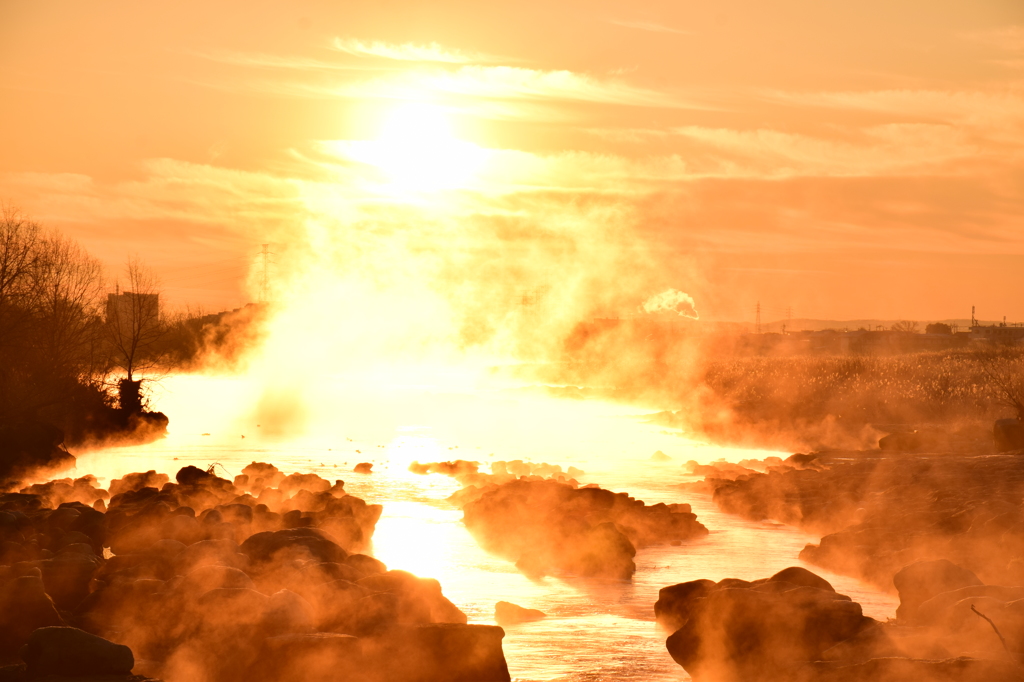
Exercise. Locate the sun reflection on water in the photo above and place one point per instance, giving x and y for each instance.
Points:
(595, 630)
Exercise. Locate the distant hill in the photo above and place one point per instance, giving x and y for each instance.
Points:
(804, 324)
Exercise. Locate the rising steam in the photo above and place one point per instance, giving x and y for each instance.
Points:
(672, 300)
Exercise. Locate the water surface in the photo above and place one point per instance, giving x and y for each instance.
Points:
(596, 629)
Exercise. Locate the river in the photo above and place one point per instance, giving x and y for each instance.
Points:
(595, 630)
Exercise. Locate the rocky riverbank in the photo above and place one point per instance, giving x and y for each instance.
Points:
(878, 512)
(259, 578)
(551, 527)
(794, 627)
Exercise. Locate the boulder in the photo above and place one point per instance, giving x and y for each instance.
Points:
(1008, 435)
(761, 632)
(507, 613)
(892, 669)
(901, 442)
(438, 652)
(418, 599)
(922, 580)
(933, 610)
(287, 613)
(311, 657)
(675, 602)
(67, 577)
(548, 527)
(366, 565)
(801, 577)
(74, 652)
(206, 578)
(309, 544)
(206, 553)
(232, 608)
(24, 607)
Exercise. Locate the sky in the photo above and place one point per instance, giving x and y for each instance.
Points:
(830, 159)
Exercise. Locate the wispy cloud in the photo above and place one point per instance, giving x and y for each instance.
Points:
(994, 114)
(649, 26)
(1005, 38)
(409, 52)
(497, 83)
(273, 61)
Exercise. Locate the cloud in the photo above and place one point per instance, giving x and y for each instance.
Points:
(976, 107)
(481, 83)
(673, 301)
(263, 60)
(1010, 38)
(649, 26)
(408, 52)
(901, 148)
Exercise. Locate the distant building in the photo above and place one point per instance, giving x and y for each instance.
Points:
(1000, 334)
(127, 307)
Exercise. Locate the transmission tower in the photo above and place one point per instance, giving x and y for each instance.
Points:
(265, 275)
(758, 318)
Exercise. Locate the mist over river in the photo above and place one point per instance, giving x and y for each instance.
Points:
(596, 629)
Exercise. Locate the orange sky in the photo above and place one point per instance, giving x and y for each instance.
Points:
(846, 160)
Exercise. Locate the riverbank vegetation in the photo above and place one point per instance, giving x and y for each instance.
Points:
(74, 356)
(802, 401)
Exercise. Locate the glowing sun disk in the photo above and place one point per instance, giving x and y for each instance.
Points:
(417, 149)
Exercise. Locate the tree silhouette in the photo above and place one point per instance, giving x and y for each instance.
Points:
(905, 326)
(134, 331)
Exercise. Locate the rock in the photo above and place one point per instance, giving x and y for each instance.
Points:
(309, 544)
(675, 602)
(366, 565)
(871, 642)
(327, 572)
(287, 613)
(24, 607)
(507, 613)
(660, 456)
(233, 607)
(1008, 435)
(363, 468)
(904, 669)
(901, 442)
(922, 580)
(762, 632)
(312, 657)
(206, 578)
(932, 611)
(438, 653)
(74, 652)
(67, 577)
(206, 553)
(336, 605)
(801, 577)
(547, 527)
(419, 599)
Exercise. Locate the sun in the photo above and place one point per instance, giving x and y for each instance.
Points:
(416, 149)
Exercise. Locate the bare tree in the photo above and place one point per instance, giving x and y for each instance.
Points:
(67, 283)
(18, 239)
(49, 289)
(134, 330)
(1005, 371)
(906, 326)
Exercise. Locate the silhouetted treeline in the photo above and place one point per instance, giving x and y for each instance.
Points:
(73, 357)
(51, 334)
